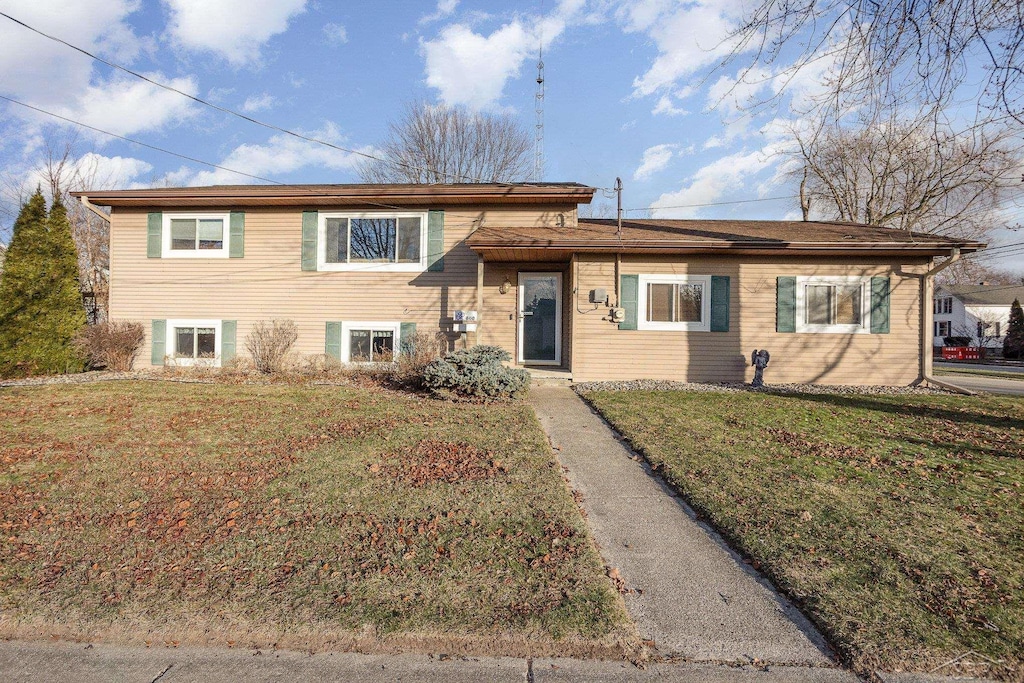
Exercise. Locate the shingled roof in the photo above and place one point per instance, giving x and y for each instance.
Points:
(681, 236)
(987, 295)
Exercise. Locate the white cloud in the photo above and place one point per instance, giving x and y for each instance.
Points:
(710, 183)
(232, 29)
(472, 69)
(335, 33)
(655, 159)
(126, 106)
(665, 106)
(255, 103)
(689, 37)
(281, 154)
(43, 71)
(444, 9)
(713, 142)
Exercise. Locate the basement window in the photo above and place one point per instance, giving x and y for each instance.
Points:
(369, 342)
(194, 342)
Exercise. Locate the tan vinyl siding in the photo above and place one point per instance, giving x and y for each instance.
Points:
(603, 352)
(269, 282)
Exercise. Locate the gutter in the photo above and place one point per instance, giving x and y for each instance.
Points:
(927, 313)
(92, 207)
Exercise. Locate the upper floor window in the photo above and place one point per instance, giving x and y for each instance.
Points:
(833, 304)
(372, 241)
(195, 235)
(673, 302)
(944, 305)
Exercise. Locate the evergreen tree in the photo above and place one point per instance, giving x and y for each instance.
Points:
(1013, 344)
(40, 304)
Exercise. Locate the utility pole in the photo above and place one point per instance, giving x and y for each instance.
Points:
(538, 138)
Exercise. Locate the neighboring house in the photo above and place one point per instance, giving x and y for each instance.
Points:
(360, 267)
(979, 312)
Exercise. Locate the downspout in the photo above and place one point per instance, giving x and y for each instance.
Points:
(927, 317)
(92, 207)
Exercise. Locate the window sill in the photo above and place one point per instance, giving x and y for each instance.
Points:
(832, 329)
(672, 327)
(371, 267)
(195, 253)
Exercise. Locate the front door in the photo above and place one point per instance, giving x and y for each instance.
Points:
(540, 318)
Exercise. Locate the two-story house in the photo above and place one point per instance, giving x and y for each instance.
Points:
(357, 267)
(979, 312)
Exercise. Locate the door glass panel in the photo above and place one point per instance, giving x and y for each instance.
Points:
(540, 318)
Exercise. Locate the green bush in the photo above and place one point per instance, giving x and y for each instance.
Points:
(476, 373)
(957, 341)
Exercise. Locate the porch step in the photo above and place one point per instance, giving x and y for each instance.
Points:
(559, 377)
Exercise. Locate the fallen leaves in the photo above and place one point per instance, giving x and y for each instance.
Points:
(432, 461)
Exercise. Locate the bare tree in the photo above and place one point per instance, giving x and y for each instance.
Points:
(442, 144)
(893, 50)
(906, 173)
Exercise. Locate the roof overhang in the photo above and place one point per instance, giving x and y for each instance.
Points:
(539, 250)
(565, 194)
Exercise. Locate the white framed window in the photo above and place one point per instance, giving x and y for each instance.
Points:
(196, 235)
(194, 342)
(944, 305)
(943, 328)
(833, 304)
(674, 302)
(370, 342)
(393, 241)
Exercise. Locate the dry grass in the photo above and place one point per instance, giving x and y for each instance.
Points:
(292, 515)
(895, 522)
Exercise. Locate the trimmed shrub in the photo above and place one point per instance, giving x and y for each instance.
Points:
(269, 343)
(476, 373)
(957, 341)
(112, 345)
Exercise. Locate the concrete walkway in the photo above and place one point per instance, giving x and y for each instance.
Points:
(29, 662)
(688, 592)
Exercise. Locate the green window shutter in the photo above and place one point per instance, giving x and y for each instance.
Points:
(785, 304)
(159, 342)
(405, 342)
(435, 241)
(237, 239)
(228, 330)
(154, 235)
(332, 346)
(629, 291)
(310, 221)
(719, 303)
(879, 305)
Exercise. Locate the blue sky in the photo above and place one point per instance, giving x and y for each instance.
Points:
(628, 90)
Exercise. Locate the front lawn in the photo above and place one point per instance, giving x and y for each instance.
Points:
(300, 516)
(895, 522)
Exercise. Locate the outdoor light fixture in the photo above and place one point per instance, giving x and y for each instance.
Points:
(505, 286)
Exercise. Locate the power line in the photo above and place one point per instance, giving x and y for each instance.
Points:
(250, 119)
(693, 206)
(310, 192)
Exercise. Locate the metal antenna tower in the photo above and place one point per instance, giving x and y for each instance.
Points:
(538, 137)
